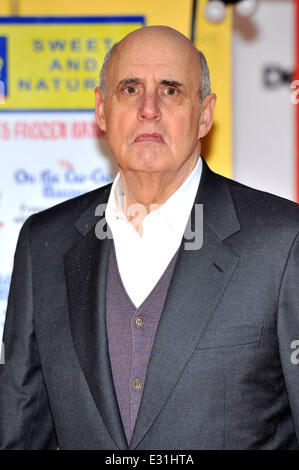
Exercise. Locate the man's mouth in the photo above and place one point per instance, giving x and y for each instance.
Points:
(154, 137)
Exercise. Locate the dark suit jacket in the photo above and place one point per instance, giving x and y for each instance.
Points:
(221, 374)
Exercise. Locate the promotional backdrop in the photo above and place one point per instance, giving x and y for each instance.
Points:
(50, 57)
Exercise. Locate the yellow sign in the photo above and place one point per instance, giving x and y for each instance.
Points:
(53, 63)
(214, 40)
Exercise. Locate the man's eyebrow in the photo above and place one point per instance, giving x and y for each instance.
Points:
(136, 80)
(173, 83)
(129, 81)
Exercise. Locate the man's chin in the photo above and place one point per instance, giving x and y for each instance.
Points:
(151, 162)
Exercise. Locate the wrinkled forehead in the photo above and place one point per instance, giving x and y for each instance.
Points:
(155, 54)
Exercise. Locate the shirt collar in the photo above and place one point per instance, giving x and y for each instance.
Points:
(175, 210)
(115, 204)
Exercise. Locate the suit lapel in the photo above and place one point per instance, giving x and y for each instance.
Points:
(199, 281)
(86, 274)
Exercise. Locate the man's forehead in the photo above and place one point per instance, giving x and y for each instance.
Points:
(164, 76)
(171, 68)
(144, 69)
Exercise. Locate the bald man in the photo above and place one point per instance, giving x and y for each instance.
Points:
(162, 311)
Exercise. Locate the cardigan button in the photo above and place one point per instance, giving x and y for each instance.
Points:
(137, 384)
(139, 322)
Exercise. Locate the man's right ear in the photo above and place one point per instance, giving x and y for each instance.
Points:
(99, 109)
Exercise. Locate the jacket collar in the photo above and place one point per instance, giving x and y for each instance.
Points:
(213, 192)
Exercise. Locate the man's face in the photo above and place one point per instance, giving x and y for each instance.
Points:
(151, 111)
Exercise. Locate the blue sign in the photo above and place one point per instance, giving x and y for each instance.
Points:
(3, 65)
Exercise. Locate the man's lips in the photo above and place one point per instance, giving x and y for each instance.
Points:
(154, 137)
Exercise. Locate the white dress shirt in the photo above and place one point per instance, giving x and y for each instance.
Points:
(143, 259)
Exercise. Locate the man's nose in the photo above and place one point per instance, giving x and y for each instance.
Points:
(149, 107)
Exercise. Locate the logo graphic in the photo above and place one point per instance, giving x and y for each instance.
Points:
(274, 76)
(3, 69)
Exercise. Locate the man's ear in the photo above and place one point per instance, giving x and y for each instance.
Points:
(99, 109)
(206, 115)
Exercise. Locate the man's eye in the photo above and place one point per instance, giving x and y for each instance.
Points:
(130, 89)
(171, 91)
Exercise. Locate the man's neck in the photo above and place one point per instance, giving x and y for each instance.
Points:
(144, 191)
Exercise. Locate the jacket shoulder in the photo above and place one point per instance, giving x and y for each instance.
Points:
(58, 223)
(263, 208)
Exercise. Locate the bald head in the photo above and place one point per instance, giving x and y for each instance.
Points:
(165, 39)
(152, 110)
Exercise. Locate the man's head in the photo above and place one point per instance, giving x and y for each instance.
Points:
(154, 101)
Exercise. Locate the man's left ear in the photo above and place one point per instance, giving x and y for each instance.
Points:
(99, 109)
(206, 116)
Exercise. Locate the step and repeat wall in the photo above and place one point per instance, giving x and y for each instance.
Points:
(51, 53)
(50, 56)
